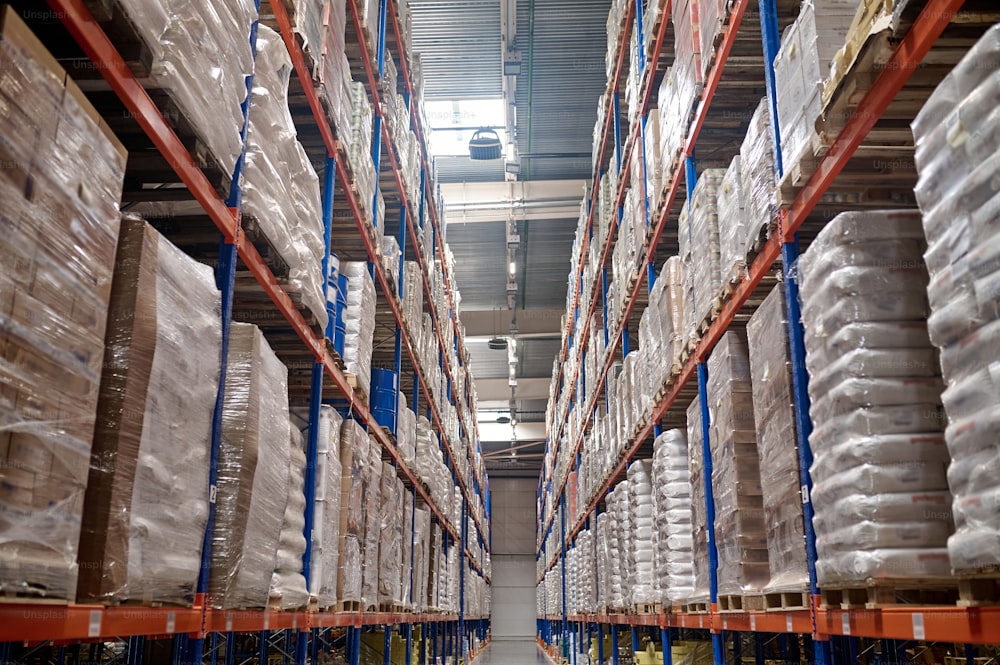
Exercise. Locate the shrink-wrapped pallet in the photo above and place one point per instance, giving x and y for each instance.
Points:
(200, 51)
(354, 451)
(698, 235)
(253, 472)
(334, 73)
(876, 401)
(672, 518)
(146, 505)
(957, 141)
(732, 224)
(640, 489)
(324, 562)
(390, 552)
(774, 415)
(699, 518)
(280, 188)
(740, 531)
(373, 527)
(688, 56)
(802, 68)
(288, 585)
(758, 185)
(58, 228)
(359, 322)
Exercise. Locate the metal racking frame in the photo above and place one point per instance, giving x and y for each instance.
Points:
(833, 631)
(189, 627)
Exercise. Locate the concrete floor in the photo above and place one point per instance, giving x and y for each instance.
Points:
(511, 652)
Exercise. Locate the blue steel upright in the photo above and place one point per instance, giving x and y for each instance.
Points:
(718, 645)
(225, 279)
(823, 654)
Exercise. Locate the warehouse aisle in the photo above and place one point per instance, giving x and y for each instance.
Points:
(511, 652)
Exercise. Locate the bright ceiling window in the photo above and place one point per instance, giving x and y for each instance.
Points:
(453, 123)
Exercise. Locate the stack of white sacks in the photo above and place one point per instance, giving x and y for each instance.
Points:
(674, 562)
(359, 321)
(618, 546)
(201, 53)
(699, 519)
(881, 492)
(640, 488)
(802, 67)
(958, 157)
(280, 188)
(698, 238)
(324, 563)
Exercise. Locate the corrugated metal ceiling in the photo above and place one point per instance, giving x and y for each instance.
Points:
(459, 46)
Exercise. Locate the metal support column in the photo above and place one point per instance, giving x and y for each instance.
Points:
(562, 566)
(387, 646)
(225, 279)
(718, 646)
(614, 644)
(665, 640)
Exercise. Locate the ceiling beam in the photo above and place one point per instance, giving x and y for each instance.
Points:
(490, 323)
(472, 202)
(490, 390)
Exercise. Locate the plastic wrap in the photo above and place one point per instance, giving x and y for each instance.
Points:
(326, 512)
(354, 452)
(280, 188)
(334, 72)
(146, 504)
(288, 584)
(757, 180)
(802, 68)
(57, 249)
(957, 137)
(641, 523)
(875, 399)
(698, 235)
(687, 56)
(200, 51)
(774, 415)
(372, 475)
(253, 472)
(672, 517)
(390, 554)
(359, 322)
(732, 224)
(740, 530)
(699, 520)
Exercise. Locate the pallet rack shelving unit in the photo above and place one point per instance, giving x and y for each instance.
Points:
(197, 631)
(833, 632)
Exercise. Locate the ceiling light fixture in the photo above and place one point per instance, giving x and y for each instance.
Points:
(485, 145)
(513, 268)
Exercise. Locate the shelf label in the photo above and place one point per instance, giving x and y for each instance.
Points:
(295, 621)
(918, 626)
(788, 623)
(229, 622)
(94, 625)
(805, 494)
(845, 623)
(171, 622)
(701, 621)
(213, 492)
(753, 622)
(725, 624)
(267, 620)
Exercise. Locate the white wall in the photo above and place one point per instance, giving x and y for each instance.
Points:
(512, 505)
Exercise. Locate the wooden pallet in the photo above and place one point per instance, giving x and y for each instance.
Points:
(979, 590)
(695, 608)
(12, 598)
(647, 608)
(359, 391)
(786, 600)
(347, 606)
(890, 593)
(742, 603)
